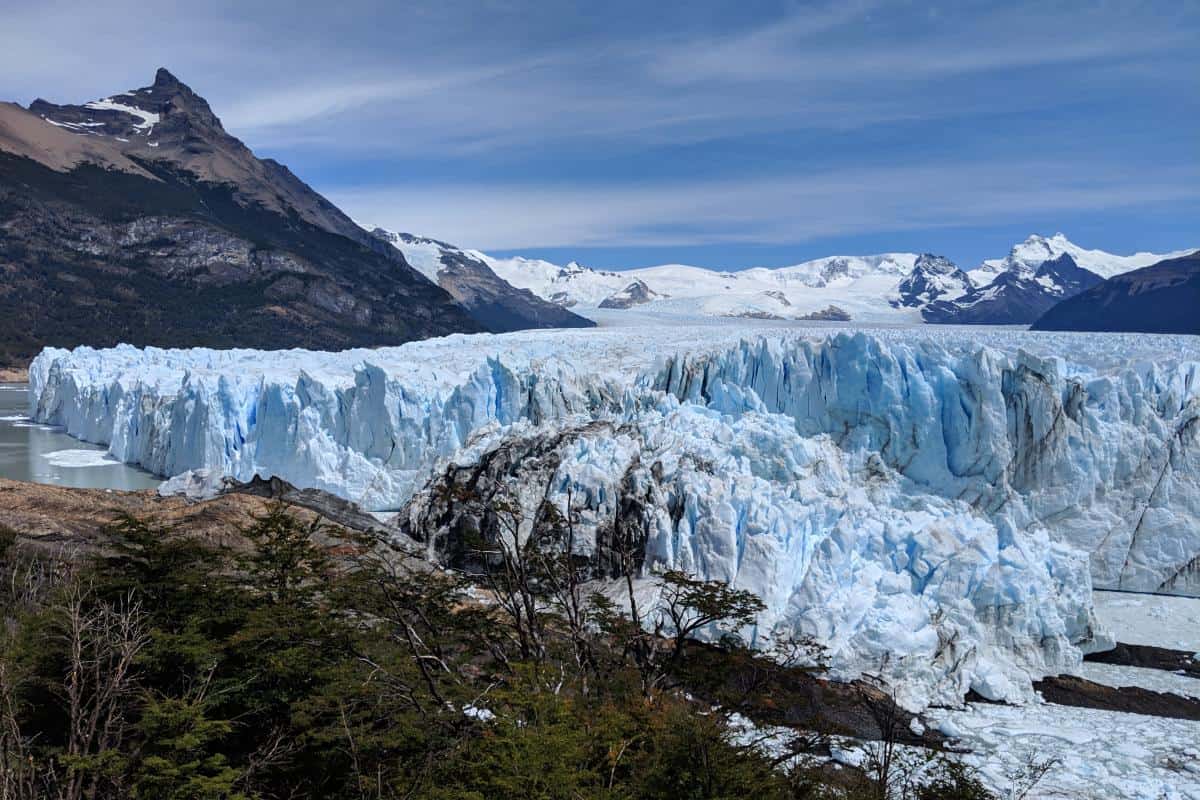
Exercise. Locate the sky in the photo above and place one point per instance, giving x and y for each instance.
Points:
(721, 134)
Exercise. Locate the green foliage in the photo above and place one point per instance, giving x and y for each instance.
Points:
(181, 759)
(311, 665)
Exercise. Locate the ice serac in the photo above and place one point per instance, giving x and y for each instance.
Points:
(933, 506)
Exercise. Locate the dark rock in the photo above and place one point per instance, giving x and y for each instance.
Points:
(1147, 656)
(635, 294)
(1069, 690)
(828, 314)
(1162, 298)
(1015, 297)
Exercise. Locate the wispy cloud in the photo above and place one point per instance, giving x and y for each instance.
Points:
(496, 124)
(786, 209)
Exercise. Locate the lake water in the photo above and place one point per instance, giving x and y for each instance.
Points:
(45, 454)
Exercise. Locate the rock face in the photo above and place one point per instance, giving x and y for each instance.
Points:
(1163, 298)
(490, 300)
(932, 278)
(948, 499)
(137, 218)
(1016, 296)
(635, 294)
(828, 314)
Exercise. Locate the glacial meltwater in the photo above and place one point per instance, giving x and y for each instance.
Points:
(45, 454)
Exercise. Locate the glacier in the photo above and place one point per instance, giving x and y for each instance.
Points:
(933, 505)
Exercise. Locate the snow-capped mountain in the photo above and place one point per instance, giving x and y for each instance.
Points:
(932, 278)
(488, 298)
(862, 286)
(1017, 296)
(1034, 251)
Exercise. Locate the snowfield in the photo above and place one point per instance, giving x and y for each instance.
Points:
(933, 504)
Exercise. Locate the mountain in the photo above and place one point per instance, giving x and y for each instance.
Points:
(861, 287)
(1016, 296)
(932, 277)
(1034, 251)
(490, 300)
(137, 218)
(1163, 298)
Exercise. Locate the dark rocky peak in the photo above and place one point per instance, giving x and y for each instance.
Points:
(1063, 266)
(932, 277)
(938, 265)
(163, 79)
(167, 109)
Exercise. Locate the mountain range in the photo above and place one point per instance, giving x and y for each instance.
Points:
(890, 288)
(137, 218)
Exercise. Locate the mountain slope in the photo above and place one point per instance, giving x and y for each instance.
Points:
(138, 219)
(1163, 298)
(1015, 297)
(490, 300)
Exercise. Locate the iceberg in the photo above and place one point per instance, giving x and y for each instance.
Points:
(933, 505)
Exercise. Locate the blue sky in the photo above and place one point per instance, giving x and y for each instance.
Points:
(721, 134)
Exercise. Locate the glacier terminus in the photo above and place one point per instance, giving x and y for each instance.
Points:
(933, 505)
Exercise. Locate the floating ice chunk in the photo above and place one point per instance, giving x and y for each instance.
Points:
(81, 459)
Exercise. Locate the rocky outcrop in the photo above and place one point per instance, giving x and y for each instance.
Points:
(635, 294)
(827, 314)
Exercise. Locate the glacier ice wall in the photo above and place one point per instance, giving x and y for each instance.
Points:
(1109, 463)
(929, 504)
(914, 589)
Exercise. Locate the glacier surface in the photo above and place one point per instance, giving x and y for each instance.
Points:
(933, 505)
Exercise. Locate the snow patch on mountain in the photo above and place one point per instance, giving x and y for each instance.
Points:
(146, 119)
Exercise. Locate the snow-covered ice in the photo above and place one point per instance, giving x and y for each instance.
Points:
(1172, 622)
(932, 504)
(1098, 755)
(1156, 680)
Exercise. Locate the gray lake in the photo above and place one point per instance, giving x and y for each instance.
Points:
(45, 454)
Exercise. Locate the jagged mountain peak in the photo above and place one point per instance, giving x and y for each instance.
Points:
(164, 78)
(932, 278)
(934, 263)
(1025, 258)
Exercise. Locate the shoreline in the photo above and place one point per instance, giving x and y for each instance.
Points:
(14, 374)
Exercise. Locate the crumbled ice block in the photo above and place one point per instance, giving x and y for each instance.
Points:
(933, 505)
(195, 485)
